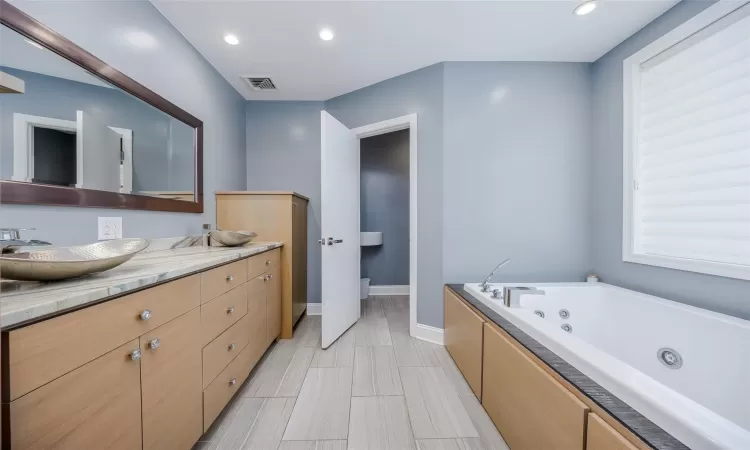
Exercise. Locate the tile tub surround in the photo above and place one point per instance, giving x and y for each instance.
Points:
(642, 427)
(23, 302)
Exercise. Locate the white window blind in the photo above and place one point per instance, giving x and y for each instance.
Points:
(691, 163)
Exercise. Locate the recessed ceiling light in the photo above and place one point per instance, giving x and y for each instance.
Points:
(326, 34)
(35, 44)
(585, 8)
(231, 39)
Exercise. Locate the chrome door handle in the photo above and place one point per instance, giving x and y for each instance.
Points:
(332, 241)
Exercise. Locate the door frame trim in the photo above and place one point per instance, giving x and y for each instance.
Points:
(386, 126)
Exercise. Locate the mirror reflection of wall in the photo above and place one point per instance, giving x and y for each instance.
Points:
(61, 125)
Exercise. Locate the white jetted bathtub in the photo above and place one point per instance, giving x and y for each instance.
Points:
(684, 368)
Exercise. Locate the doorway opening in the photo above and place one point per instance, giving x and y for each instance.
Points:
(404, 147)
(384, 226)
(341, 149)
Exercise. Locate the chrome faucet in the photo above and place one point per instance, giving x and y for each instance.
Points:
(10, 240)
(485, 285)
(512, 294)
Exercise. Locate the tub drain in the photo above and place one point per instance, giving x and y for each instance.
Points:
(539, 313)
(669, 357)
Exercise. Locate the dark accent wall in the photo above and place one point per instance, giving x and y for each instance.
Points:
(384, 207)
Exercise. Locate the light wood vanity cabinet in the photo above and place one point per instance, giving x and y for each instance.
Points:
(273, 303)
(149, 370)
(171, 390)
(274, 216)
(97, 405)
(463, 339)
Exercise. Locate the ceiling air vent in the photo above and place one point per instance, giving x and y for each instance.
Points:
(261, 83)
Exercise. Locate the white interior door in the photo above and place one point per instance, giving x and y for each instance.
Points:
(98, 154)
(339, 219)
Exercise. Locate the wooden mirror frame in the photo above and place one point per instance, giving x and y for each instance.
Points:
(39, 194)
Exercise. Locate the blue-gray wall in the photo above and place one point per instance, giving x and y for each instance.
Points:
(515, 170)
(503, 167)
(720, 294)
(157, 165)
(384, 207)
(419, 92)
(175, 70)
(283, 154)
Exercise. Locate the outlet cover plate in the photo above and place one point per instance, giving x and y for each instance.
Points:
(109, 228)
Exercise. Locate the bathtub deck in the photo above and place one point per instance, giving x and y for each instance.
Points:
(642, 427)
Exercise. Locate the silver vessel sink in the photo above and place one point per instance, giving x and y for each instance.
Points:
(232, 238)
(68, 262)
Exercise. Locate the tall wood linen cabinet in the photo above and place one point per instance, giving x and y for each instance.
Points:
(275, 216)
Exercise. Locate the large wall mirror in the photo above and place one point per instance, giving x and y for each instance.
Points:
(77, 132)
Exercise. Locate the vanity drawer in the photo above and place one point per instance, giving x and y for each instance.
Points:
(222, 350)
(222, 312)
(222, 279)
(220, 391)
(39, 353)
(258, 264)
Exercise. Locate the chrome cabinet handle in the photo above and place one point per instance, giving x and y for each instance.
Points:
(268, 262)
(154, 344)
(233, 381)
(232, 347)
(230, 278)
(270, 276)
(135, 355)
(230, 310)
(145, 314)
(266, 278)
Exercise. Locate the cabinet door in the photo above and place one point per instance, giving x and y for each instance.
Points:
(171, 384)
(530, 408)
(97, 405)
(463, 339)
(601, 436)
(257, 318)
(273, 302)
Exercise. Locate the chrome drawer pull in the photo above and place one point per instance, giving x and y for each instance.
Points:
(135, 355)
(230, 310)
(232, 347)
(145, 315)
(230, 278)
(154, 344)
(268, 262)
(233, 381)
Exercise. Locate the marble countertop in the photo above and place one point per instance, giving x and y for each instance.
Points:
(23, 301)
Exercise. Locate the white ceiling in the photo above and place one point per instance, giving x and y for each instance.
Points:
(377, 40)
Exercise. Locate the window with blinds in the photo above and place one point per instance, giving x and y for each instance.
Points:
(688, 149)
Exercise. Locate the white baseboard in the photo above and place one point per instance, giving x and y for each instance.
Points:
(429, 334)
(390, 290)
(314, 309)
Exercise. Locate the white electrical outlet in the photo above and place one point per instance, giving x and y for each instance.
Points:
(110, 228)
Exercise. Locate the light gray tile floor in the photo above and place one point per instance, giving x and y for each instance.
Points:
(374, 388)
